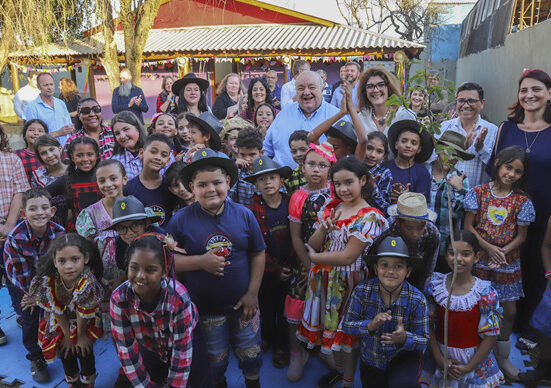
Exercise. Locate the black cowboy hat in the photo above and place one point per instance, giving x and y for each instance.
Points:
(208, 157)
(393, 246)
(189, 78)
(264, 165)
(130, 208)
(211, 124)
(426, 140)
(345, 131)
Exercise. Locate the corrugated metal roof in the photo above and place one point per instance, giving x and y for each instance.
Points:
(235, 40)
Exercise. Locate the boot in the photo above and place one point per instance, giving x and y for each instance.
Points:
(502, 349)
(88, 381)
(72, 381)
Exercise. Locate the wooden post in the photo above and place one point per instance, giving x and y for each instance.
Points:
(14, 77)
(213, 79)
(91, 84)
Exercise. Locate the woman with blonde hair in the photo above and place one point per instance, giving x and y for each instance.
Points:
(230, 89)
(166, 100)
(377, 84)
(70, 95)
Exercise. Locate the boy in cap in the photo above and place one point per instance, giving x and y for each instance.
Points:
(205, 132)
(391, 318)
(414, 222)
(271, 209)
(217, 230)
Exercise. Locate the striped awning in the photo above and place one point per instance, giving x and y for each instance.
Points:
(241, 40)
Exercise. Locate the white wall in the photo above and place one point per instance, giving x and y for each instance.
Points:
(498, 70)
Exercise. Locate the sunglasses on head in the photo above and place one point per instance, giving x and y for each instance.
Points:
(87, 109)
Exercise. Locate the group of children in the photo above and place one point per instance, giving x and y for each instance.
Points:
(337, 255)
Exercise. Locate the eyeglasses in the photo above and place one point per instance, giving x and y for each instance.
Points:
(379, 85)
(321, 166)
(87, 109)
(135, 227)
(470, 101)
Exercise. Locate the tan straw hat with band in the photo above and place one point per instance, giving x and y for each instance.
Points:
(412, 205)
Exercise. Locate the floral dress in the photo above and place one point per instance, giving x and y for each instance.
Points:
(54, 298)
(496, 222)
(92, 222)
(330, 287)
(42, 178)
(472, 317)
(303, 209)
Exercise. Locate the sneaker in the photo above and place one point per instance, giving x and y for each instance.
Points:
(122, 381)
(39, 371)
(330, 380)
(281, 357)
(296, 365)
(525, 344)
(3, 338)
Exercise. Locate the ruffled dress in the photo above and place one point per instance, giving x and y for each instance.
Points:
(52, 296)
(496, 221)
(330, 287)
(303, 209)
(92, 222)
(472, 317)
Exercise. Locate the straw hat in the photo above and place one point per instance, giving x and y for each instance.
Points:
(458, 142)
(412, 205)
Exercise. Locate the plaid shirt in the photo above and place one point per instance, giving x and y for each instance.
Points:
(242, 192)
(258, 207)
(30, 161)
(381, 193)
(23, 249)
(106, 140)
(132, 164)
(366, 303)
(13, 180)
(166, 331)
(295, 181)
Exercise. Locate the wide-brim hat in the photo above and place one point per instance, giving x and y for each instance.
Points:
(130, 208)
(211, 124)
(458, 142)
(400, 126)
(392, 246)
(209, 157)
(189, 78)
(344, 130)
(265, 165)
(413, 206)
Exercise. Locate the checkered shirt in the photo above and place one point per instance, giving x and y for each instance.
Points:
(30, 161)
(381, 193)
(166, 331)
(106, 140)
(13, 180)
(295, 181)
(23, 249)
(242, 192)
(366, 303)
(132, 164)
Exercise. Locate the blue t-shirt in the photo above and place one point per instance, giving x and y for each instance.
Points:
(237, 232)
(417, 175)
(160, 200)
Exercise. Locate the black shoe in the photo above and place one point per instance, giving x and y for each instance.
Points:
(39, 371)
(3, 337)
(252, 383)
(542, 372)
(281, 357)
(330, 380)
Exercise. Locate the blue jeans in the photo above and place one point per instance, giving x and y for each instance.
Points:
(29, 323)
(244, 336)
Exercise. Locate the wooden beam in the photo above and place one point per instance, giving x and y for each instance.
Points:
(14, 77)
(91, 81)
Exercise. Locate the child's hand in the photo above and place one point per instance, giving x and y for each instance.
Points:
(241, 163)
(456, 370)
(214, 261)
(180, 156)
(28, 302)
(397, 190)
(379, 320)
(66, 346)
(375, 180)
(192, 150)
(83, 345)
(330, 223)
(285, 274)
(312, 253)
(456, 181)
(496, 255)
(397, 337)
(249, 302)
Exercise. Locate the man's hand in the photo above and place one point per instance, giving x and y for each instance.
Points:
(480, 140)
(213, 262)
(249, 302)
(397, 337)
(132, 101)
